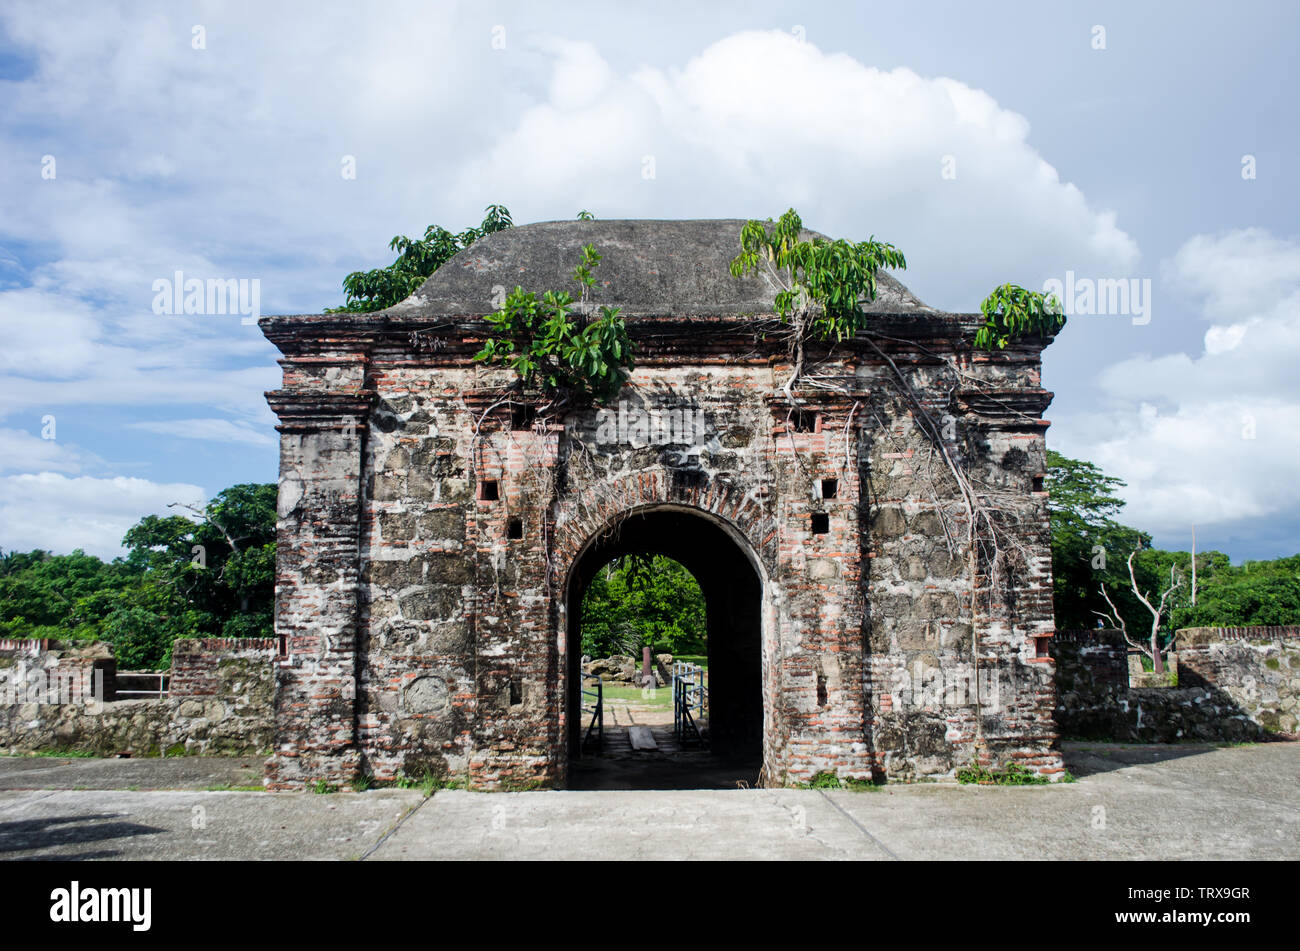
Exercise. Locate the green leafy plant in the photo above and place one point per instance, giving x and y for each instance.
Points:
(824, 780)
(821, 282)
(427, 782)
(417, 258)
(1011, 312)
(1012, 774)
(861, 785)
(556, 348)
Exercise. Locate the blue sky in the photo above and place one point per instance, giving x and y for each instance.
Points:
(218, 152)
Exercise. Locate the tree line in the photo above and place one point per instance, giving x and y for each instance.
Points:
(211, 573)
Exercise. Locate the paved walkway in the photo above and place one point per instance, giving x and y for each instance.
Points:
(1170, 802)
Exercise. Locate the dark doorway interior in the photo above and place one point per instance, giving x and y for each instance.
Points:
(733, 597)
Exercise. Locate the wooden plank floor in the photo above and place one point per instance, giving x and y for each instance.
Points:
(618, 742)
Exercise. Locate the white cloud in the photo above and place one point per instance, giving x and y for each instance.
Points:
(21, 450)
(46, 335)
(58, 513)
(225, 162)
(1210, 438)
(213, 430)
(758, 122)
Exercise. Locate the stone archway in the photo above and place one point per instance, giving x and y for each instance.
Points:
(738, 610)
(427, 536)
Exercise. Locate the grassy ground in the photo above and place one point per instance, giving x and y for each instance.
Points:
(659, 698)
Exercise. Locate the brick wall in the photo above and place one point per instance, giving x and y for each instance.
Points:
(224, 702)
(444, 645)
(201, 667)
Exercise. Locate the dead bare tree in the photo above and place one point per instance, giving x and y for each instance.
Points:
(1157, 613)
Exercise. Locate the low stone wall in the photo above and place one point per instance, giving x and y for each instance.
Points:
(1091, 682)
(1170, 714)
(1234, 685)
(57, 696)
(1258, 668)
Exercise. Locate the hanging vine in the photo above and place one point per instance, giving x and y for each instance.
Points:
(819, 283)
(821, 287)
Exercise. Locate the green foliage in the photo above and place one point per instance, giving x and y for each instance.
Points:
(1011, 312)
(417, 258)
(59, 596)
(1256, 592)
(555, 347)
(1089, 547)
(1013, 774)
(1082, 503)
(828, 780)
(181, 578)
(140, 637)
(824, 281)
(824, 780)
(427, 782)
(641, 600)
(861, 785)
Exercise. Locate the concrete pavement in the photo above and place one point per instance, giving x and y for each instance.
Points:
(1169, 802)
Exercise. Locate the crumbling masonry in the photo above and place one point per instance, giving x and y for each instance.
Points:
(435, 541)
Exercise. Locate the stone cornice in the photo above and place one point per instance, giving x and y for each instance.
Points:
(450, 341)
(318, 410)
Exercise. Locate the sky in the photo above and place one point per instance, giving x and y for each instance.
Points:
(285, 144)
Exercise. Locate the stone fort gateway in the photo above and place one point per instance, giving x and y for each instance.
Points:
(436, 537)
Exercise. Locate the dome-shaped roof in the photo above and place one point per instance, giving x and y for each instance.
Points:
(648, 268)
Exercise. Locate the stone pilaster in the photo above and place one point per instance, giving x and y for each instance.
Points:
(316, 604)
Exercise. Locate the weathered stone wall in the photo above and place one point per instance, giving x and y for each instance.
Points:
(1234, 684)
(1257, 667)
(1092, 683)
(470, 523)
(976, 631)
(434, 540)
(223, 705)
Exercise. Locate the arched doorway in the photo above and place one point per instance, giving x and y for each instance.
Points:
(731, 581)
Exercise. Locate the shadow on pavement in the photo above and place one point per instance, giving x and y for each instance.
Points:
(25, 835)
(670, 771)
(1085, 758)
